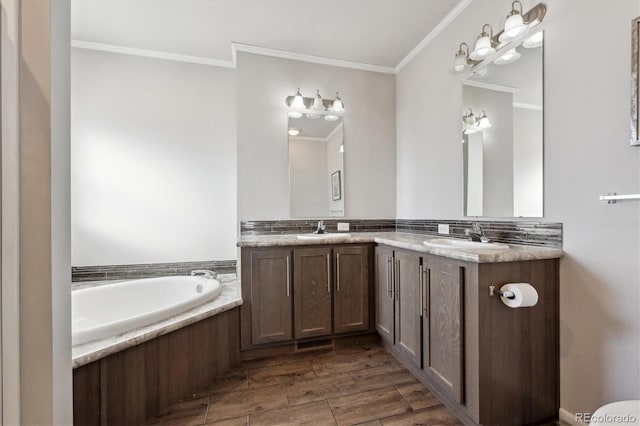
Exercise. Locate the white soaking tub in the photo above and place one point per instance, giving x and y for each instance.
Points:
(109, 310)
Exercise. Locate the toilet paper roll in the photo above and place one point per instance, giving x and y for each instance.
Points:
(524, 295)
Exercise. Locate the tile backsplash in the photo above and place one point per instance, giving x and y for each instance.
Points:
(259, 227)
(510, 232)
(147, 270)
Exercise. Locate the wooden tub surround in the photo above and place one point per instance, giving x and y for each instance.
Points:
(489, 363)
(131, 386)
(129, 378)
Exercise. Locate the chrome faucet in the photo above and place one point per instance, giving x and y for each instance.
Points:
(204, 273)
(320, 228)
(476, 233)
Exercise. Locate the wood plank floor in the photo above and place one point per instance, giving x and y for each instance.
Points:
(351, 384)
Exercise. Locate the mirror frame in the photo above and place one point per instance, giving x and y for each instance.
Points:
(635, 82)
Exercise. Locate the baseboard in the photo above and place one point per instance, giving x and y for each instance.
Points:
(568, 417)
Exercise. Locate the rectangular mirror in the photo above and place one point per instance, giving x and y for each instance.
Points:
(503, 134)
(316, 167)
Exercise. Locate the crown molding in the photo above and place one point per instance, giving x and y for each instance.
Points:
(157, 54)
(523, 105)
(284, 54)
(489, 86)
(448, 18)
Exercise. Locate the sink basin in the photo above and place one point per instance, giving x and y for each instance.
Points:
(464, 244)
(322, 236)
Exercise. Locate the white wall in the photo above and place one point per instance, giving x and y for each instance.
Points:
(586, 155)
(263, 83)
(153, 160)
(308, 176)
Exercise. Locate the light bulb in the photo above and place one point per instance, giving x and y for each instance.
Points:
(341, 150)
(294, 131)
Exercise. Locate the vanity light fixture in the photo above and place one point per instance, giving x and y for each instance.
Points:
(460, 62)
(484, 44)
(514, 25)
(509, 56)
(293, 131)
(517, 25)
(474, 124)
(534, 41)
(315, 107)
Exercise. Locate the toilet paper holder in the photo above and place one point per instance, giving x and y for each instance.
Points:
(506, 294)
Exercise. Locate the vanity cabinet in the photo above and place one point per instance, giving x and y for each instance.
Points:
(271, 296)
(312, 292)
(351, 292)
(489, 363)
(420, 320)
(442, 298)
(301, 293)
(385, 299)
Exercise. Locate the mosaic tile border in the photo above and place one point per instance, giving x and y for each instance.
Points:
(260, 227)
(510, 232)
(541, 234)
(147, 270)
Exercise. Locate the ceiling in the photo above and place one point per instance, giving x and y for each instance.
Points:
(376, 32)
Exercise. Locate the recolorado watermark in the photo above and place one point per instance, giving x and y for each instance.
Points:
(606, 418)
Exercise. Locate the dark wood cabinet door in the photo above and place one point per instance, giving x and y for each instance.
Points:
(271, 296)
(384, 292)
(312, 292)
(408, 308)
(442, 325)
(351, 289)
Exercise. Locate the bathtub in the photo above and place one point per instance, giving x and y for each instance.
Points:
(113, 309)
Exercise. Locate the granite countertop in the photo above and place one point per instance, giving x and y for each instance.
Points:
(230, 298)
(413, 242)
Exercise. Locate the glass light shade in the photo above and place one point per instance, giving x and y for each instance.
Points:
(509, 56)
(469, 118)
(298, 101)
(534, 41)
(294, 114)
(513, 27)
(294, 132)
(484, 123)
(482, 49)
(317, 102)
(337, 106)
(460, 63)
(331, 117)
